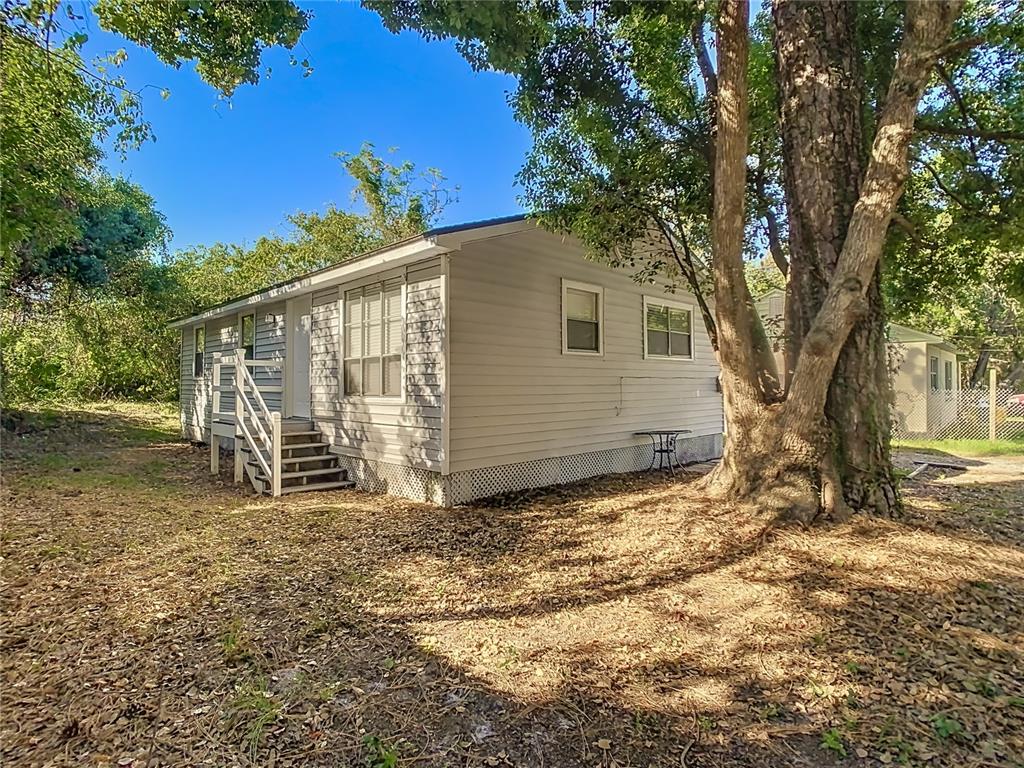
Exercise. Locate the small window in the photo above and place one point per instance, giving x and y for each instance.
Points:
(933, 373)
(948, 375)
(374, 340)
(247, 332)
(668, 329)
(582, 318)
(198, 350)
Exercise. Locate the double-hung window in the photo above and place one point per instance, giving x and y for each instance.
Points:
(198, 350)
(933, 373)
(374, 340)
(247, 332)
(948, 375)
(668, 329)
(582, 318)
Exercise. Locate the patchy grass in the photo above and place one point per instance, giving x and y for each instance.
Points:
(154, 615)
(1004, 447)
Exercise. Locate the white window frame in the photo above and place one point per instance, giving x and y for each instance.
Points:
(672, 304)
(591, 288)
(342, 290)
(933, 376)
(948, 375)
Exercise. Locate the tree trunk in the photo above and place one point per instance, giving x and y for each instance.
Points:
(821, 100)
(792, 456)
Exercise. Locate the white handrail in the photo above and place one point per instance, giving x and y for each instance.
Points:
(255, 419)
(255, 450)
(263, 363)
(244, 405)
(248, 379)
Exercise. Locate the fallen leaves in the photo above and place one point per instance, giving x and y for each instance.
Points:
(156, 616)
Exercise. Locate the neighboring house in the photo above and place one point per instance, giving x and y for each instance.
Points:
(926, 376)
(468, 361)
(926, 381)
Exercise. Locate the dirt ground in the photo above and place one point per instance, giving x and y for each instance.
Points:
(154, 615)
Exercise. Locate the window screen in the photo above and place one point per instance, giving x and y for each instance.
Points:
(948, 375)
(582, 320)
(668, 331)
(248, 335)
(198, 350)
(933, 372)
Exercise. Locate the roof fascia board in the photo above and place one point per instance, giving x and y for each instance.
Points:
(453, 241)
(396, 256)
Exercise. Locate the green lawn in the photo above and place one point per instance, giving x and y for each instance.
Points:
(1005, 447)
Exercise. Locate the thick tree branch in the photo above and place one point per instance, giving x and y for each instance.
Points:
(926, 126)
(771, 223)
(958, 46)
(707, 71)
(749, 378)
(928, 25)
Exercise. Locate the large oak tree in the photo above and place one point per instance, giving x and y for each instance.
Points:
(643, 143)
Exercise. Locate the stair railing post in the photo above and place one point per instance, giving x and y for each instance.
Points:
(239, 412)
(275, 453)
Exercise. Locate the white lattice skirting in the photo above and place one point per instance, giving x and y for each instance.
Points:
(462, 487)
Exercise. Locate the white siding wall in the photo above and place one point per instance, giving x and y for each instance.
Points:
(196, 399)
(910, 386)
(515, 397)
(190, 394)
(406, 432)
(270, 345)
(942, 405)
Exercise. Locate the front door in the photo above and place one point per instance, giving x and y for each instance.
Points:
(299, 325)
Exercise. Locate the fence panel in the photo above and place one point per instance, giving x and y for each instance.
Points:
(966, 414)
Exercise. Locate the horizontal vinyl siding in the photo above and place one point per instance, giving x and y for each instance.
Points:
(271, 324)
(190, 413)
(395, 432)
(515, 397)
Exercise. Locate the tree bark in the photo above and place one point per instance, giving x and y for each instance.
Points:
(786, 456)
(821, 98)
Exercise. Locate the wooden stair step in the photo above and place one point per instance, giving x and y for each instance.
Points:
(302, 433)
(300, 460)
(294, 446)
(305, 473)
(318, 486)
(304, 459)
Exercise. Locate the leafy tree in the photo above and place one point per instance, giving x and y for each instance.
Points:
(85, 303)
(636, 153)
(393, 202)
(57, 106)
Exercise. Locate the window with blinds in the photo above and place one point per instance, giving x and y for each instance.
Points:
(374, 340)
(668, 329)
(582, 318)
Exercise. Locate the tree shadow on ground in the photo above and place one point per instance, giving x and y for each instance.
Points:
(624, 622)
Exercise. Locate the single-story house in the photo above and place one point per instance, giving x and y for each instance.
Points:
(925, 371)
(465, 362)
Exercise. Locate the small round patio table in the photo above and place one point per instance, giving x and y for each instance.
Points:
(663, 445)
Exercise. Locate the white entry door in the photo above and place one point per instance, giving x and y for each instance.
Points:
(300, 323)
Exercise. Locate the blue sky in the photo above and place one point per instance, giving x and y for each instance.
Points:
(233, 174)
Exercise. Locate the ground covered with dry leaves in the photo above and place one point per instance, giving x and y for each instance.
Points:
(156, 616)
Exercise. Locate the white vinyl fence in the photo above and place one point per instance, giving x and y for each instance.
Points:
(978, 413)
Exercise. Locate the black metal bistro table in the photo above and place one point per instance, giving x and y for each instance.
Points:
(663, 443)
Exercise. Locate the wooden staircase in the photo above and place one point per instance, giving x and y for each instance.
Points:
(306, 461)
(277, 455)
